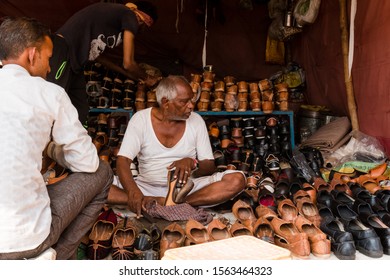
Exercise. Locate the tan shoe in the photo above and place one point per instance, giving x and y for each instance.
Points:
(288, 236)
(264, 211)
(217, 230)
(309, 210)
(238, 229)
(243, 212)
(172, 236)
(196, 233)
(287, 210)
(263, 230)
(319, 244)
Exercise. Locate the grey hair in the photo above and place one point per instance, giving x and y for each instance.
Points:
(17, 34)
(167, 87)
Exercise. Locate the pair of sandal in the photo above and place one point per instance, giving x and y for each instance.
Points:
(129, 243)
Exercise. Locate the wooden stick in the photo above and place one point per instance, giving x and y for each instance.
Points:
(347, 78)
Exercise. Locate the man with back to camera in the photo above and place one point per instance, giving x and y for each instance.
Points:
(33, 216)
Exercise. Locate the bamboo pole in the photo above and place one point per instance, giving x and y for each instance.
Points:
(347, 78)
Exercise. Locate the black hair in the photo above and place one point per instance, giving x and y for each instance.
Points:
(17, 34)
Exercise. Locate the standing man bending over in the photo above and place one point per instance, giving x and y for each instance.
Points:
(33, 216)
(87, 36)
(169, 137)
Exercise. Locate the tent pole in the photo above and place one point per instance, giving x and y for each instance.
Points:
(347, 77)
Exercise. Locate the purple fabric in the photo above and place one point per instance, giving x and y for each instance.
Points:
(179, 212)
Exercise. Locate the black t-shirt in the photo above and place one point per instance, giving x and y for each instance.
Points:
(94, 28)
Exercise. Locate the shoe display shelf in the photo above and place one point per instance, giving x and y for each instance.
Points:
(107, 111)
(289, 114)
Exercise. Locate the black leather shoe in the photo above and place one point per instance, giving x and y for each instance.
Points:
(370, 219)
(384, 197)
(342, 243)
(367, 241)
(324, 198)
(343, 197)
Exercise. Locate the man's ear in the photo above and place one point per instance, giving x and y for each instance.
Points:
(31, 55)
(164, 100)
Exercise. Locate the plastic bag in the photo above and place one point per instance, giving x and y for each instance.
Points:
(367, 148)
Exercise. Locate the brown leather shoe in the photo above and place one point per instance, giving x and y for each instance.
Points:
(217, 230)
(196, 233)
(368, 183)
(238, 229)
(267, 107)
(299, 195)
(311, 191)
(123, 240)
(229, 80)
(337, 184)
(377, 170)
(203, 106)
(265, 212)
(319, 244)
(216, 106)
(253, 87)
(287, 210)
(230, 102)
(196, 78)
(172, 236)
(263, 230)
(288, 236)
(243, 213)
(321, 184)
(219, 86)
(309, 210)
(265, 84)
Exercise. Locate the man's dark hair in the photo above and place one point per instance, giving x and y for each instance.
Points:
(148, 8)
(17, 34)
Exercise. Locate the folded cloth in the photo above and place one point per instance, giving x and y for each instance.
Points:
(178, 212)
(330, 134)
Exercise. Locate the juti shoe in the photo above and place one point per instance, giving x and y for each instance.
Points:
(263, 230)
(217, 230)
(172, 236)
(288, 236)
(196, 233)
(319, 243)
